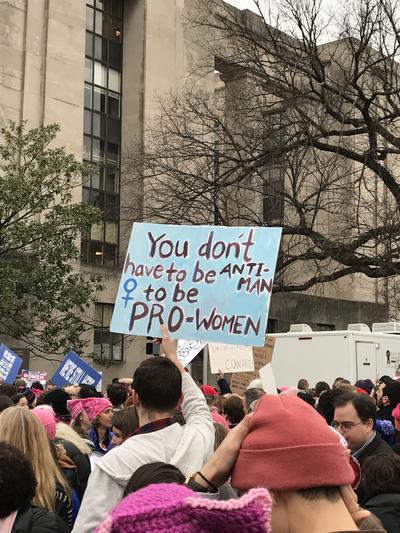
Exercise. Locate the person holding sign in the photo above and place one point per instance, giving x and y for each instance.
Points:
(158, 384)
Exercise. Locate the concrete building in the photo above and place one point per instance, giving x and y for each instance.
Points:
(96, 68)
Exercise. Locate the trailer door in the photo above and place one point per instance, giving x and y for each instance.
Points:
(366, 360)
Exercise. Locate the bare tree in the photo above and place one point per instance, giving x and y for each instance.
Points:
(294, 133)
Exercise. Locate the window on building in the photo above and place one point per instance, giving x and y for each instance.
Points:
(102, 127)
(324, 327)
(108, 346)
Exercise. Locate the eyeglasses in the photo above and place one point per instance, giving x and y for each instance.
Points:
(346, 426)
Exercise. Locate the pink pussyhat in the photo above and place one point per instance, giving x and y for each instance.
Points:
(95, 406)
(219, 419)
(290, 392)
(167, 507)
(48, 420)
(75, 408)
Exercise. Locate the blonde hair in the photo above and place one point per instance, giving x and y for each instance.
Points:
(63, 431)
(22, 429)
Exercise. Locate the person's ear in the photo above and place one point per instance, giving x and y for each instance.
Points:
(180, 401)
(136, 399)
(385, 399)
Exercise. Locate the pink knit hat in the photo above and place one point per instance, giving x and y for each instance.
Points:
(48, 420)
(95, 406)
(289, 392)
(75, 408)
(170, 507)
(289, 447)
(219, 419)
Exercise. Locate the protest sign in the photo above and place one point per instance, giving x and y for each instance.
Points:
(205, 283)
(187, 351)
(31, 376)
(268, 379)
(75, 371)
(10, 363)
(262, 356)
(230, 358)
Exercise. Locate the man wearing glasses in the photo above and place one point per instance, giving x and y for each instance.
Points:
(354, 418)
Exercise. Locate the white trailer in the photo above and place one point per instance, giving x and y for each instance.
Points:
(356, 353)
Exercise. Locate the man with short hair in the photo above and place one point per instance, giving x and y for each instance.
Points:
(303, 384)
(250, 399)
(354, 418)
(158, 384)
(387, 397)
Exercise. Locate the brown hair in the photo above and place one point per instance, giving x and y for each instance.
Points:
(381, 475)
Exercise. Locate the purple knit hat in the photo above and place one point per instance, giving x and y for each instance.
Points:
(170, 507)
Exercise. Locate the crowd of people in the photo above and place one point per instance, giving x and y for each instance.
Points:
(159, 452)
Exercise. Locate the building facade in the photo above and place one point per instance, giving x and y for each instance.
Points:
(97, 69)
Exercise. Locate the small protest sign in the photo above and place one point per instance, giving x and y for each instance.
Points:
(268, 379)
(262, 356)
(230, 358)
(75, 371)
(209, 283)
(10, 363)
(187, 351)
(30, 376)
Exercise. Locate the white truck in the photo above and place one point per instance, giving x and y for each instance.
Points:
(355, 353)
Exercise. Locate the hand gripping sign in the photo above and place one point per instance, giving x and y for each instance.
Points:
(205, 283)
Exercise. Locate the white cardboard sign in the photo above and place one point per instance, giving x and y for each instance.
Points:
(187, 351)
(230, 358)
(268, 379)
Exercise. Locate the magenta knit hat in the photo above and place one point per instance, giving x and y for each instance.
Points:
(48, 420)
(219, 419)
(290, 447)
(75, 408)
(95, 406)
(169, 507)
(208, 390)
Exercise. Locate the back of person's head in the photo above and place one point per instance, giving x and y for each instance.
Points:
(233, 409)
(303, 384)
(381, 475)
(392, 391)
(326, 406)
(321, 387)
(221, 432)
(363, 404)
(5, 402)
(153, 473)
(250, 396)
(20, 383)
(166, 507)
(371, 523)
(7, 389)
(22, 429)
(306, 397)
(37, 385)
(17, 480)
(365, 384)
(340, 381)
(287, 436)
(158, 383)
(88, 391)
(344, 388)
(57, 398)
(126, 421)
(386, 380)
(117, 393)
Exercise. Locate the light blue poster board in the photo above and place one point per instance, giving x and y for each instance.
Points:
(209, 283)
(10, 363)
(75, 371)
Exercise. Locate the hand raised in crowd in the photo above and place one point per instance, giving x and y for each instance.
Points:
(221, 375)
(169, 347)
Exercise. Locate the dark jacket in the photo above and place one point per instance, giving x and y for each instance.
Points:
(376, 447)
(385, 413)
(82, 463)
(387, 508)
(37, 520)
(224, 387)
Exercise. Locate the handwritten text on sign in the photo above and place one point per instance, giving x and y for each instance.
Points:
(205, 283)
(230, 358)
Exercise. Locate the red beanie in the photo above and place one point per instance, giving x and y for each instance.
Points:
(289, 447)
(207, 390)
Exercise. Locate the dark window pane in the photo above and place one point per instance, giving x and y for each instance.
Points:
(113, 152)
(111, 28)
(113, 104)
(89, 18)
(115, 55)
(110, 254)
(111, 179)
(116, 8)
(111, 210)
(114, 130)
(88, 96)
(89, 44)
(87, 127)
(85, 195)
(97, 178)
(99, 99)
(100, 49)
(84, 251)
(97, 199)
(95, 252)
